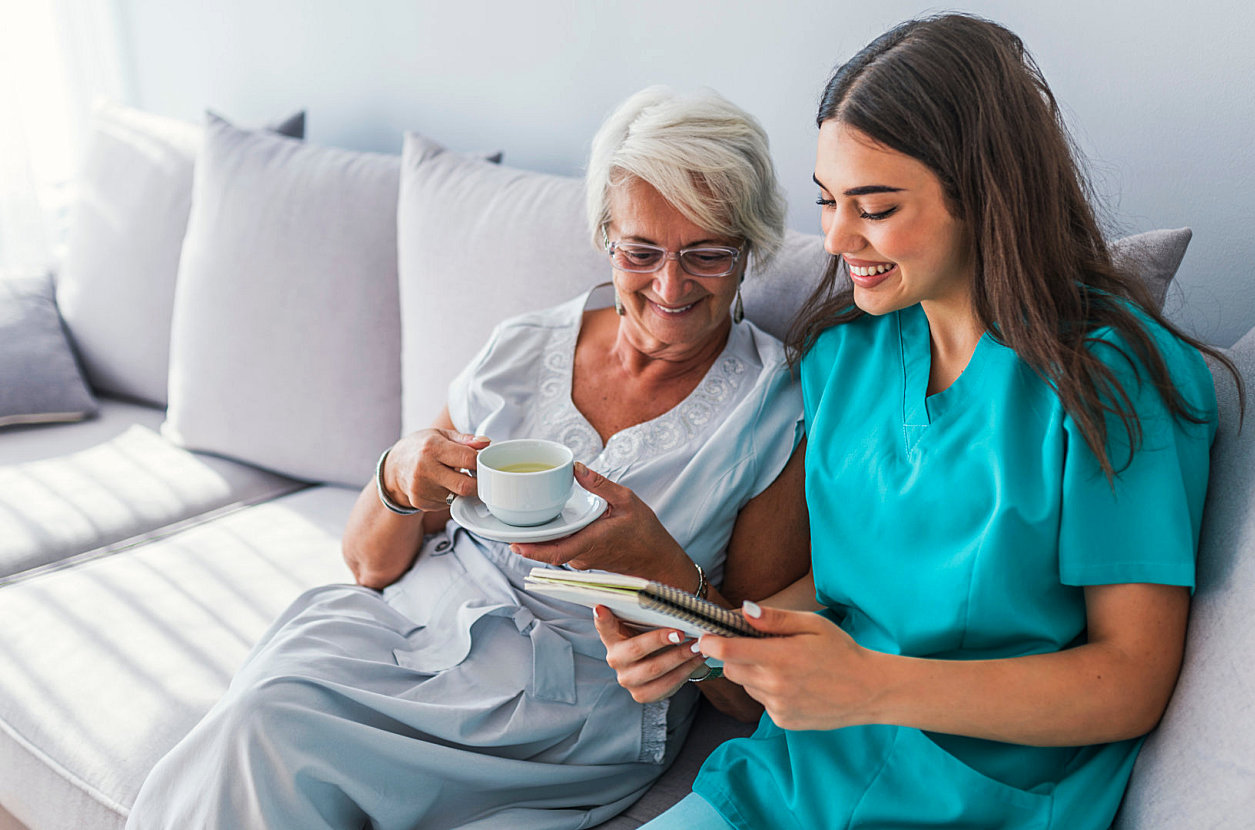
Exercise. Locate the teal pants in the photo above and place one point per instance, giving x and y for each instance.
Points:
(691, 813)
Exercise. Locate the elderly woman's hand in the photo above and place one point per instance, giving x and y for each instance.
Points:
(628, 538)
(651, 666)
(424, 467)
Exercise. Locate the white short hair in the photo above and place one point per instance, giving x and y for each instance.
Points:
(702, 153)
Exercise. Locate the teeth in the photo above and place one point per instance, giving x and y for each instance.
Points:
(869, 271)
(679, 310)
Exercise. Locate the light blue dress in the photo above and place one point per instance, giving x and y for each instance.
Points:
(455, 698)
(961, 526)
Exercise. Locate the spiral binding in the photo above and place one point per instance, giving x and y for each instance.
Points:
(702, 613)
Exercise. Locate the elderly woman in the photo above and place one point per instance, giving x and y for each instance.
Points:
(437, 692)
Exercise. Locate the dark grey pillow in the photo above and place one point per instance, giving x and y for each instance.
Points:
(1154, 256)
(39, 378)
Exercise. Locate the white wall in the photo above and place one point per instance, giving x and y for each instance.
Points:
(1160, 94)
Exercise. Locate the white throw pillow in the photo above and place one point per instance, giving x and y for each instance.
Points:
(478, 243)
(285, 349)
(116, 286)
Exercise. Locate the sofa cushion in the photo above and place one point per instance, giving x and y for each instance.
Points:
(108, 664)
(774, 295)
(116, 287)
(136, 485)
(1154, 256)
(1195, 769)
(31, 442)
(40, 380)
(462, 225)
(285, 349)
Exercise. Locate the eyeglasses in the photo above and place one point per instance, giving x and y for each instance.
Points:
(642, 258)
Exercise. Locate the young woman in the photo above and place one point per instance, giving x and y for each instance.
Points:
(1007, 455)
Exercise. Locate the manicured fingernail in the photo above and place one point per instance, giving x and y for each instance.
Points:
(580, 469)
(479, 438)
(696, 648)
(595, 613)
(751, 609)
(673, 637)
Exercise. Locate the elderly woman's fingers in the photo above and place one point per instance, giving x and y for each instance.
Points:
(559, 552)
(651, 665)
(426, 466)
(597, 484)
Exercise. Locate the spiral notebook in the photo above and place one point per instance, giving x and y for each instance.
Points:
(640, 601)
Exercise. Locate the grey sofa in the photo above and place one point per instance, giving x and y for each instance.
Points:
(254, 319)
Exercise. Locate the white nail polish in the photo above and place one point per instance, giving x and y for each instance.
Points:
(697, 648)
(673, 637)
(751, 609)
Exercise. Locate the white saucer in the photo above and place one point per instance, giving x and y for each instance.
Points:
(579, 511)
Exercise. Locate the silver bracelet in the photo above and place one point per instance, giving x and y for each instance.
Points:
(383, 494)
(703, 588)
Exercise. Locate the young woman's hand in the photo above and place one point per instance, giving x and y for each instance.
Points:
(809, 675)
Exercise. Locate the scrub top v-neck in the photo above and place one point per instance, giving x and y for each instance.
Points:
(964, 525)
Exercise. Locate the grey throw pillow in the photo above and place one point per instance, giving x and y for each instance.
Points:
(116, 287)
(39, 377)
(1154, 256)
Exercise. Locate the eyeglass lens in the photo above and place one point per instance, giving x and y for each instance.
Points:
(700, 262)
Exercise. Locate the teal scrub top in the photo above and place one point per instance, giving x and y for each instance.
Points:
(964, 525)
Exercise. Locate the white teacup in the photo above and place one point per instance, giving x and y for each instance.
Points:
(525, 482)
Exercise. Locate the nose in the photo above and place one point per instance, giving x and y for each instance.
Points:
(670, 280)
(840, 235)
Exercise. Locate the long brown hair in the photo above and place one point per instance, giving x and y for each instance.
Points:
(962, 95)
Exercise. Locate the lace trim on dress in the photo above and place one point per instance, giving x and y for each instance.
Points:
(559, 420)
(654, 731)
(562, 422)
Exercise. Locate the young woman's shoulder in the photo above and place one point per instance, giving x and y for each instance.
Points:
(1123, 349)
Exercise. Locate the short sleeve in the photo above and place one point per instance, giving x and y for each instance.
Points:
(467, 407)
(1144, 528)
(779, 426)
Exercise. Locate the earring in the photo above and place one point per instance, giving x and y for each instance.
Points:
(618, 304)
(738, 310)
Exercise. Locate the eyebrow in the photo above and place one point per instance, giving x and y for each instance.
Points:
(864, 190)
(701, 243)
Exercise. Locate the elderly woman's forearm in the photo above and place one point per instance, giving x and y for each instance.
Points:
(379, 546)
